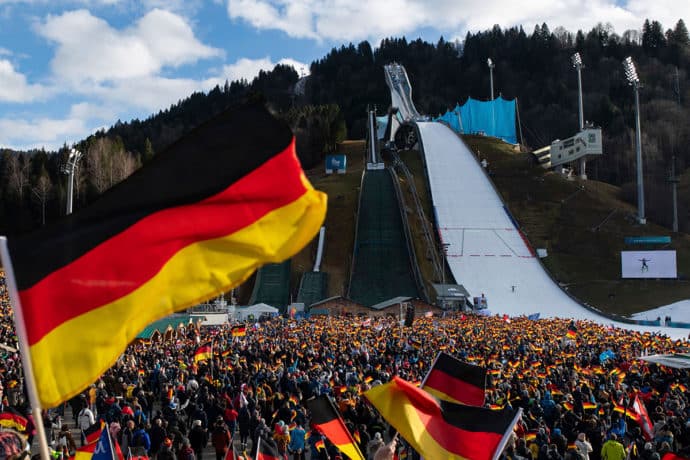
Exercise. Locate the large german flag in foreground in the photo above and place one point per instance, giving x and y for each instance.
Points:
(439, 429)
(450, 379)
(326, 418)
(195, 222)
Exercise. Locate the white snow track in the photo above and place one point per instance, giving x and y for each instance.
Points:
(487, 253)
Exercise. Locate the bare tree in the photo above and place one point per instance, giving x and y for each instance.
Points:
(108, 163)
(124, 164)
(97, 160)
(41, 192)
(18, 174)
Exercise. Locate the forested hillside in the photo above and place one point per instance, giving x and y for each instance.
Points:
(535, 68)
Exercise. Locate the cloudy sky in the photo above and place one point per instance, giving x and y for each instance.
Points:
(70, 67)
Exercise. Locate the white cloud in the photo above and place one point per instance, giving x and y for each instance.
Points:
(14, 87)
(351, 20)
(148, 93)
(41, 132)
(89, 49)
(4, 51)
(245, 68)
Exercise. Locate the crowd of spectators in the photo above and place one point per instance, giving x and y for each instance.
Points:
(575, 392)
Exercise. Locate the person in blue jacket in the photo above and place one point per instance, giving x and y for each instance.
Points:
(297, 443)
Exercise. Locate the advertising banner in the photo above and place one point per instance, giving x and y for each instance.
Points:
(648, 264)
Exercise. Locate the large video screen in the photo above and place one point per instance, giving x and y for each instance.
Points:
(648, 264)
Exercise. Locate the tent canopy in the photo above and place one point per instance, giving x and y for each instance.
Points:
(677, 360)
(243, 313)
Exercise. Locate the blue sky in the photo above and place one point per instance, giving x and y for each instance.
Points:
(70, 67)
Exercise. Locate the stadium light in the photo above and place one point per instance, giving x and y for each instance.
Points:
(577, 63)
(69, 169)
(634, 81)
(491, 65)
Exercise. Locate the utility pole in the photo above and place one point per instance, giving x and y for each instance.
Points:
(577, 63)
(673, 180)
(677, 88)
(634, 81)
(491, 65)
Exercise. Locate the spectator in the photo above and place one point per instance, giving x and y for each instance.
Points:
(612, 449)
(584, 447)
(198, 439)
(220, 438)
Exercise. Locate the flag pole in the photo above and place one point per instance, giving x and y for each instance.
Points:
(20, 327)
(507, 435)
(421, 385)
(212, 361)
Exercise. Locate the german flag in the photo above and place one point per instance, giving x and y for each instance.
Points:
(193, 223)
(672, 456)
(85, 452)
(203, 353)
(267, 450)
(239, 331)
(450, 379)
(571, 333)
(531, 436)
(589, 406)
(94, 432)
(440, 429)
(326, 418)
(13, 421)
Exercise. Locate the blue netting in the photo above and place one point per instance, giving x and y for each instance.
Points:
(493, 118)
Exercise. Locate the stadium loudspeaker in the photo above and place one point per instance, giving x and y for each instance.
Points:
(409, 316)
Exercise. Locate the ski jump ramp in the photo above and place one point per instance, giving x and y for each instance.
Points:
(486, 253)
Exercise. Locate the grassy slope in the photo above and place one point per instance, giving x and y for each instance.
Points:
(554, 213)
(582, 224)
(343, 196)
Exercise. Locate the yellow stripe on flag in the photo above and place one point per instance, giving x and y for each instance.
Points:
(182, 282)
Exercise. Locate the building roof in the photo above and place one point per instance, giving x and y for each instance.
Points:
(321, 302)
(448, 291)
(389, 302)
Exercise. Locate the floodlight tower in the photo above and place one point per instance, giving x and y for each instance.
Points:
(491, 65)
(634, 81)
(69, 169)
(577, 63)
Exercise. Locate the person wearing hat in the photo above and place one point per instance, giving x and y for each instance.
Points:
(165, 452)
(186, 452)
(198, 438)
(584, 447)
(220, 438)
